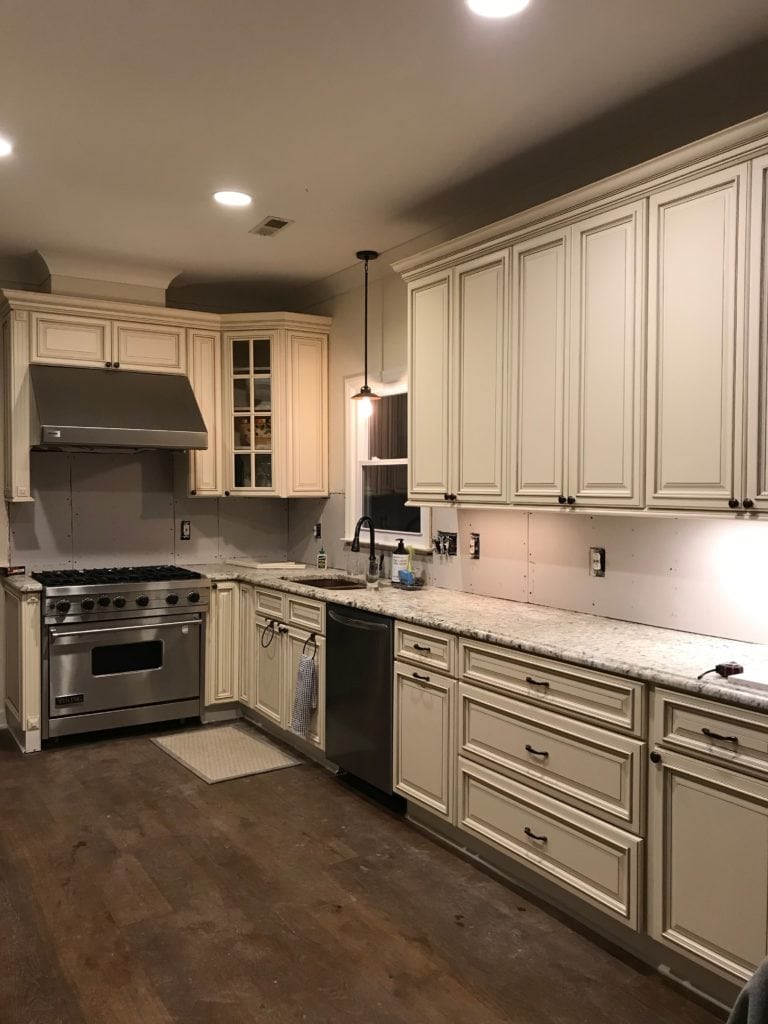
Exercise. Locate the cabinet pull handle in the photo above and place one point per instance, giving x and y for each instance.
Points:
(748, 503)
(116, 365)
(733, 503)
(422, 679)
(716, 736)
(268, 634)
(421, 647)
(282, 629)
(656, 757)
(537, 682)
(538, 753)
(532, 835)
(107, 364)
(571, 500)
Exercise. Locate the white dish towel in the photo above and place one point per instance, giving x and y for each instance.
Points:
(305, 701)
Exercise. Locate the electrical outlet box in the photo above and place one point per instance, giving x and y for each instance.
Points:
(597, 561)
(474, 545)
(186, 530)
(317, 530)
(447, 542)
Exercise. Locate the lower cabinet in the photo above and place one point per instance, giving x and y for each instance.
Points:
(424, 741)
(222, 647)
(708, 863)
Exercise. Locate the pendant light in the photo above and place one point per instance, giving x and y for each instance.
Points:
(366, 255)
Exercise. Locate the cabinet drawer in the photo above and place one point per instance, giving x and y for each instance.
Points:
(270, 603)
(594, 696)
(588, 857)
(425, 647)
(306, 614)
(71, 339)
(150, 347)
(596, 770)
(729, 736)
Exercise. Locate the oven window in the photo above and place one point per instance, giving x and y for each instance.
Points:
(120, 658)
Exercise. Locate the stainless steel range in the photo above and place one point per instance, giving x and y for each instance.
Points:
(121, 646)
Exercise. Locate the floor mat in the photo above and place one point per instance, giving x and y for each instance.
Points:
(223, 752)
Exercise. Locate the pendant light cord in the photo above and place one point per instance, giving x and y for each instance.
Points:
(365, 325)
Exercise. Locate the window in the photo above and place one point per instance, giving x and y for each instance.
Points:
(377, 473)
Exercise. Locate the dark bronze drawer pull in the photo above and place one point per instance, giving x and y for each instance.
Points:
(538, 753)
(421, 647)
(536, 682)
(423, 679)
(532, 835)
(716, 736)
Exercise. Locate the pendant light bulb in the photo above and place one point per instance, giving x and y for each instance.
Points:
(364, 407)
(365, 396)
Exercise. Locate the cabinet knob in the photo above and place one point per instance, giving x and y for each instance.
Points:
(571, 500)
(107, 364)
(226, 494)
(116, 365)
(748, 503)
(561, 499)
(656, 757)
(193, 492)
(733, 503)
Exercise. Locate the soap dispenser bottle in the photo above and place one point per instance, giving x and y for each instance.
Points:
(399, 560)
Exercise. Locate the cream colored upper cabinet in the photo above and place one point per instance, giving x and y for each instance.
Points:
(606, 358)
(429, 338)
(206, 469)
(70, 340)
(756, 485)
(539, 325)
(697, 255)
(480, 379)
(155, 348)
(307, 415)
(708, 864)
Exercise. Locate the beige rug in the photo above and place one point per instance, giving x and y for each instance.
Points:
(217, 753)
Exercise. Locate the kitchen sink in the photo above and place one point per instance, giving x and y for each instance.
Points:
(327, 583)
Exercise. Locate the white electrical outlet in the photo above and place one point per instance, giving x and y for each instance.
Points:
(597, 561)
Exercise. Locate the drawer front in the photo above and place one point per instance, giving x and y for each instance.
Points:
(426, 647)
(593, 696)
(270, 603)
(595, 770)
(595, 861)
(728, 736)
(306, 614)
(151, 347)
(71, 340)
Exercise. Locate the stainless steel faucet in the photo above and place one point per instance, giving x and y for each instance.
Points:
(366, 521)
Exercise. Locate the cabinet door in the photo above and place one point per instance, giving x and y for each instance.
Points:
(246, 646)
(307, 411)
(298, 642)
(222, 643)
(206, 471)
(424, 740)
(267, 696)
(16, 405)
(539, 304)
(428, 394)
(708, 866)
(756, 486)
(695, 341)
(71, 340)
(151, 347)
(606, 358)
(252, 436)
(480, 379)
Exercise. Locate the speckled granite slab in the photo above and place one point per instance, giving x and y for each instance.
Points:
(22, 584)
(664, 657)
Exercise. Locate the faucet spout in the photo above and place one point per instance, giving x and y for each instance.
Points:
(365, 521)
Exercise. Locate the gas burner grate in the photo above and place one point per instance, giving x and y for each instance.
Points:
(122, 574)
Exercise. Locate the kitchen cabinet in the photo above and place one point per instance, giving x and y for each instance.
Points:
(21, 666)
(276, 420)
(458, 383)
(246, 651)
(424, 754)
(206, 468)
(222, 642)
(577, 345)
(154, 348)
(268, 692)
(756, 484)
(697, 247)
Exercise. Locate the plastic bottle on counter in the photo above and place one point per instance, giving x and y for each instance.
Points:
(399, 560)
(322, 558)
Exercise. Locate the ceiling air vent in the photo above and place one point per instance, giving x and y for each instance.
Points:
(270, 226)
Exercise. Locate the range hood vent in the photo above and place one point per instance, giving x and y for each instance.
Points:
(80, 408)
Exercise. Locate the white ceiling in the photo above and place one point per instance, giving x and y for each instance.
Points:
(342, 115)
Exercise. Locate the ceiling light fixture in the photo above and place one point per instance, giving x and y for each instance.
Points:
(365, 395)
(497, 8)
(6, 146)
(232, 198)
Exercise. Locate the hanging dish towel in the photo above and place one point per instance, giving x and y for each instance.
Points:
(305, 701)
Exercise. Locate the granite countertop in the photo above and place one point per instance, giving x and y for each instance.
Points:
(664, 657)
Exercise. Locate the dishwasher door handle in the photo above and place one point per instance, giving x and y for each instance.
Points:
(355, 623)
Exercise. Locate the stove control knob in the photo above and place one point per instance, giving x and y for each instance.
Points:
(142, 601)
(194, 597)
(119, 602)
(172, 599)
(104, 601)
(63, 606)
(87, 604)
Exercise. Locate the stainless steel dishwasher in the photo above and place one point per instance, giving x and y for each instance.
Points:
(358, 694)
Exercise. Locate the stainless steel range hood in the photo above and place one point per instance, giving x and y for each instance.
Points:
(80, 408)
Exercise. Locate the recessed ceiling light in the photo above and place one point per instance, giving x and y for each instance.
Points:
(232, 198)
(6, 147)
(497, 8)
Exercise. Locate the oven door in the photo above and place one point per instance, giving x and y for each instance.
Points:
(107, 666)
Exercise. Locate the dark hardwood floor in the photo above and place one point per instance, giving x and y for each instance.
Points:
(133, 893)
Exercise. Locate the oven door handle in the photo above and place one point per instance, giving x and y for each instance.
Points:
(121, 629)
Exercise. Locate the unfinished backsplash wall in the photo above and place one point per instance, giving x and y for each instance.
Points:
(698, 575)
(93, 510)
